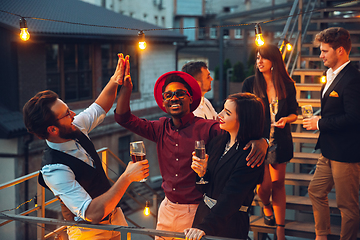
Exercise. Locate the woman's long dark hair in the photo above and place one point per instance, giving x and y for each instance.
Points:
(279, 74)
(251, 116)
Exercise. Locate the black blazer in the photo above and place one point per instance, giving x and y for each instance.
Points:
(287, 106)
(339, 125)
(232, 184)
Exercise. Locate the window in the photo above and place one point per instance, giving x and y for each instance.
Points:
(226, 34)
(201, 33)
(69, 70)
(156, 20)
(109, 60)
(213, 33)
(238, 34)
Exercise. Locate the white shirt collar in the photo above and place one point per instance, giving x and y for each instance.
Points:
(63, 147)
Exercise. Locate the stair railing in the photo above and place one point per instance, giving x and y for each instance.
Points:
(41, 204)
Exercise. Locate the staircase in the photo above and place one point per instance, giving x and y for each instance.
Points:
(306, 71)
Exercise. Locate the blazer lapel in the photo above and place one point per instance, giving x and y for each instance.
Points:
(226, 158)
(334, 83)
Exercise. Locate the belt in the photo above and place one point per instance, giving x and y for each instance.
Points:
(210, 202)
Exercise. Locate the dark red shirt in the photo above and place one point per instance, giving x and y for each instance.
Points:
(174, 149)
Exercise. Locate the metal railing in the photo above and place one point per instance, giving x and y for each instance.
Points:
(41, 204)
(296, 38)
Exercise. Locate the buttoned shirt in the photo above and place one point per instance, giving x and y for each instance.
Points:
(174, 149)
(331, 75)
(60, 178)
(205, 110)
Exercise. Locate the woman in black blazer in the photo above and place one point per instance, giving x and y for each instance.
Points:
(231, 183)
(274, 86)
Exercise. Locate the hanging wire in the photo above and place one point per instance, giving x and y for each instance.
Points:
(179, 28)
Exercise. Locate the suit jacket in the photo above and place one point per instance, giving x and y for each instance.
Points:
(287, 106)
(232, 184)
(339, 125)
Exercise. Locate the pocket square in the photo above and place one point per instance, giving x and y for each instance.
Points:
(334, 94)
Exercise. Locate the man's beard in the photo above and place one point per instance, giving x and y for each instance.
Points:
(68, 132)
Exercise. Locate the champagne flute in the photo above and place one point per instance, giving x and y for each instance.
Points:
(307, 111)
(138, 153)
(274, 105)
(200, 153)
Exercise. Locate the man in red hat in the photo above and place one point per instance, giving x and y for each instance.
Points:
(178, 94)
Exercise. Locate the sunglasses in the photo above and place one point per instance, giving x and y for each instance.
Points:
(68, 113)
(178, 93)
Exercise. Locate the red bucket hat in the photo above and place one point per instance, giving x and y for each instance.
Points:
(196, 91)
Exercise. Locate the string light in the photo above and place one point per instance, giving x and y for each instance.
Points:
(142, 43)
(147, 209)
(288, 46)
(259, 40)
(323, 79)
(24, 33)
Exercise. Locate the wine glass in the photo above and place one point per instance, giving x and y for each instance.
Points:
(200, 153)
(138, 153)
(274, 105)
(307, 111)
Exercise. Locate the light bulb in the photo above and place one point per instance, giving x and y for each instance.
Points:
(259, 40)
(323, 79)
(147, 209)
(24, 33)
(142, 43)
(288, 46)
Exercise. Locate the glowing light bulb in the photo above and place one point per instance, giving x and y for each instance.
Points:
(24, 33)
(259, 40)
(147, 209)
(288, 46)
(142, 43)
(323, 79)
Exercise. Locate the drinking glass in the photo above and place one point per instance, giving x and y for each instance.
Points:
(307, 111)
(138, 153)
(274, 105)
(200, 153)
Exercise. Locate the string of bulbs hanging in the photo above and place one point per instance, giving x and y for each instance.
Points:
(259, 39)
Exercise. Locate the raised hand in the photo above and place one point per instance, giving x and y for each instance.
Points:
(122, 69)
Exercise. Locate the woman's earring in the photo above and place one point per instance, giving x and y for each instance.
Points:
(272, 68)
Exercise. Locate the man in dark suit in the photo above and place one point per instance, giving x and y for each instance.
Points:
(339, 140)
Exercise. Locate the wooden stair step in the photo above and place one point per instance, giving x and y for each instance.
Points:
(305, 158)
(316, 58)
(309, 72)
(308, 86)
(300, 203)
(305, 137)
(335, 20)
(312, 102)
(292, 228)
(314, 32)
(339, 9)
(298, 179)
(312, 45)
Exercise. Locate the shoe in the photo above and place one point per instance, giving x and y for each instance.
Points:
(269, 220)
